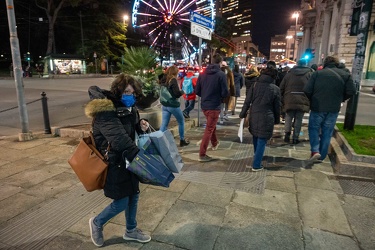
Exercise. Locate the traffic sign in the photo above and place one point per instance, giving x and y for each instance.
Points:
(201, 20)
(200, 31)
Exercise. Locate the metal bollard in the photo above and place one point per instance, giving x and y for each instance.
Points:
(47, 126)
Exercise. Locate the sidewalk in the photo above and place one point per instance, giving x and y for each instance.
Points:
(216, 205)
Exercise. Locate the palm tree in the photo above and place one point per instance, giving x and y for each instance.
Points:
(141, 62)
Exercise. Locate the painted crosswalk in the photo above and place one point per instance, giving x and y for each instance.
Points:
(241, 100)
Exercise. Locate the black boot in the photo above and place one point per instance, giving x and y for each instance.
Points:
(287, 137)
(296, 141)
(184, 142)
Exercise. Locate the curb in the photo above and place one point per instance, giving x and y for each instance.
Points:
(346, 162)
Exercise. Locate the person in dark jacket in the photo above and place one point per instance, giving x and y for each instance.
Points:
(295, 102)
(115, 122)
(212, 88)
(263, 101)
(238, 83)
(250, 78)
(326, 89)
(170, 81)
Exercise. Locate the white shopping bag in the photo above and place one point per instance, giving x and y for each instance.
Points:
(240, 129)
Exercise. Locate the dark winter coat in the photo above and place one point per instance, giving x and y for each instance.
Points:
(264, 98)
(238, 83)
(212, 87)
(250, 79)
(115, 124)
(326, 90)
(291, 89)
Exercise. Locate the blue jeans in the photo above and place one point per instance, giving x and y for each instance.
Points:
(259, 148)
(166, 113)
(128, 204)
(321, 125)
(189, 106)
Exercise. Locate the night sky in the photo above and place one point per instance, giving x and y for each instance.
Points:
(270, 18)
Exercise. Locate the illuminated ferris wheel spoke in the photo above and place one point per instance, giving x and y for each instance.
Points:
(160, 5)
(186, 6)
(150, 6)
(146, 14)
(174, 5)
(147, 24)
(152, 31)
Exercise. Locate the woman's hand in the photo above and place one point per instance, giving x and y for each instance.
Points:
(144, 125)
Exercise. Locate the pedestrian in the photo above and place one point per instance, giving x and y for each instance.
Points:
(295, 102)
(238, 84)
(263, 101)
(251, 77)
(190, 78)
(115, 123)
(170, 82)
(212, 88)
(326, 89)
(226, 101)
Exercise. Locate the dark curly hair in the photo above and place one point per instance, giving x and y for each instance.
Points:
(121, 82)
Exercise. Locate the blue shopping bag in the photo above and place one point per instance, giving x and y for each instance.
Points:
(165, 145)
(150, 169)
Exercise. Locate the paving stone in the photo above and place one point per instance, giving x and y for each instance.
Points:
(322, 209)
(212, 195)
(190, 225)
(271, 200)
(18, 166)
(8, 190)
(361, 216)
(314, 179)
(284, 184)
(318, 239)
(250, 228)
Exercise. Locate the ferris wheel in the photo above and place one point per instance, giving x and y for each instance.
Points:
(166, 22)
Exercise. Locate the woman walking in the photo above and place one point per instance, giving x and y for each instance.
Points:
(170, 82)
(115, 122)
(263, 100)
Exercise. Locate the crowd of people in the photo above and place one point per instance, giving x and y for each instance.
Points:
(270, 95)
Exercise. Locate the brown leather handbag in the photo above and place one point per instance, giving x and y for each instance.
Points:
(89, 164)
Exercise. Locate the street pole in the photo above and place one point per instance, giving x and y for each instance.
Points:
(17, 68)
(359, 59)
(296, 15)
(200, 67)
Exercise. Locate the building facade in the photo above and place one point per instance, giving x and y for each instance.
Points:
(327, 29)
(278, 48)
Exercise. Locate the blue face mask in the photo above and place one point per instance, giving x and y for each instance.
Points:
(128, 100)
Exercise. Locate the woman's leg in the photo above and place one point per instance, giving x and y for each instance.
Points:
(113, 209)
(180, 120)
(131, 212)
(166, 116)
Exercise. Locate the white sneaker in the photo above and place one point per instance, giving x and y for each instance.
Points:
(226, 117)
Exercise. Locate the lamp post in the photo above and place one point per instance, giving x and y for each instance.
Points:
(295, 15)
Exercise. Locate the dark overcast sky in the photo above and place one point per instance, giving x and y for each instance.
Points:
(270, 18)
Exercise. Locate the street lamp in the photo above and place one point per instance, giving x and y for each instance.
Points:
(295, 15)
(125, 17)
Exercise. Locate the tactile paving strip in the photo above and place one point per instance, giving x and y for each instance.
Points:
(39, 227)
(356, 187)
(238, 175)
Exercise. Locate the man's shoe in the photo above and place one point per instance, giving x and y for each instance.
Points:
(257, 169)
(205, 158)
(186, 115)
(226, 117)
(184, 142)
(217, 145)
(314, 156)
(96, 233)
(137, 235)
(221, 122)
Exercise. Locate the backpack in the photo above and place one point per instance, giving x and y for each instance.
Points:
(187, 85)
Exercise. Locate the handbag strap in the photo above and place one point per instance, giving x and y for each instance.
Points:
(93, 143)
